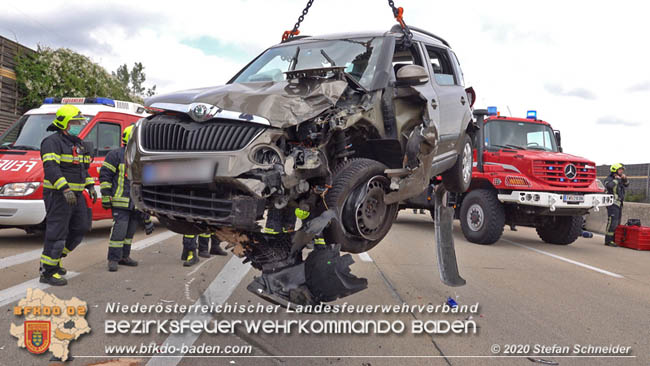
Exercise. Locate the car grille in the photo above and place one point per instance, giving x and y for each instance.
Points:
(172, 135)
(552, 173)
(185, 200)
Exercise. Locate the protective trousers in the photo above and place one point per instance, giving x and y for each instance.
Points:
(613, 220)
(125, 222)
(189, 245)
(65, 228)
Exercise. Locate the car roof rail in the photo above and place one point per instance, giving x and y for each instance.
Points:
(398, 28)
(294, 38)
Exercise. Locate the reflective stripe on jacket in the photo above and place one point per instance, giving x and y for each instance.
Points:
(65, 163)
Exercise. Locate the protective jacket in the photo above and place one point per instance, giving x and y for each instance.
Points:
(65, 163)
(616, 186)
(113, 180)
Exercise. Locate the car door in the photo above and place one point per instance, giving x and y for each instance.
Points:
(452, 99)
(105, 136)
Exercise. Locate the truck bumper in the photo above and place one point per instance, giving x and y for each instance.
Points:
(21, 212)
(554, 201)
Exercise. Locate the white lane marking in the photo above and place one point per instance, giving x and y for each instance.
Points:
(16, 292)
(142, 244)
(218, 292)
(35, 254)
(616, 275)
(365, 257)
(199, 266)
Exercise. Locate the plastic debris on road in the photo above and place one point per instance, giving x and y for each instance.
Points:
(451, 302)
(543, 362)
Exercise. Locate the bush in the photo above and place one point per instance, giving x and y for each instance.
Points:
(64, 73)
(635, 197)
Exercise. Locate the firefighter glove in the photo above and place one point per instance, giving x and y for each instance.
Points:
(70, 197)
(92, 193)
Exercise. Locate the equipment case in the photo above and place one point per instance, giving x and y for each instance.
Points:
(634, 237)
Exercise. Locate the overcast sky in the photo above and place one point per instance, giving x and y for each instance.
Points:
(583, 65)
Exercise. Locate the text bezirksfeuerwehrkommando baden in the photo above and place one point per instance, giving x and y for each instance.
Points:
(236, 308)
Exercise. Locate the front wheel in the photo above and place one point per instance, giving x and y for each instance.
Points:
(458, 178)
(358, 191)
(561, 230)
(482, 217)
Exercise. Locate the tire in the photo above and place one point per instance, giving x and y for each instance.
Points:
(562, 230)
(482, 217)
(351, 178)
(458, 178)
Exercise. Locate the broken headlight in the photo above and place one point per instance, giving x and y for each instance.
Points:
(266, 155)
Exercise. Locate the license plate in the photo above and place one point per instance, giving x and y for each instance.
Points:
(573, 198)
(176, 172)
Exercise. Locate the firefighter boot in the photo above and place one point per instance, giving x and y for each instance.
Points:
(192, 259)
(128, 261)
(60, 270)
(112, 266)
(216, 248)
(54, 280)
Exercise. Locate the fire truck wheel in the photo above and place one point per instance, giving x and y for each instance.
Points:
(458, 178)
(561, 230)
(482, 217)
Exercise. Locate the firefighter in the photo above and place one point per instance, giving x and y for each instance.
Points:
(615, 184)
(115, 189)
(204, 246)
(65, 165)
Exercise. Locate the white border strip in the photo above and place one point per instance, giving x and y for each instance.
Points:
(616, 275)
(142, 244)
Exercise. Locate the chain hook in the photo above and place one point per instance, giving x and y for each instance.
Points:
(294, 32)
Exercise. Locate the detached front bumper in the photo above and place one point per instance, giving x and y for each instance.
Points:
(21, 212)
(554, 201)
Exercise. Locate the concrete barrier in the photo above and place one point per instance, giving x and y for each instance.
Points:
(597, 221)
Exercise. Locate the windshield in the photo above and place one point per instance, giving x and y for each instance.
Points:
(359, 56)
(519, 135)
(28, 132)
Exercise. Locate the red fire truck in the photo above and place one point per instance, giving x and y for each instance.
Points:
(522, 177)
(21, 169)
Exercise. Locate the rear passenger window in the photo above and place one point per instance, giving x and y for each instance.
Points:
(443, 70)
(105, 136)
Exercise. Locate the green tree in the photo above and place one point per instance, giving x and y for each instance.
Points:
(133, 80)
(64, 73)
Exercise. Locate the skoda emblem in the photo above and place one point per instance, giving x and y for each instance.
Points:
(199, 111)
(570, 171)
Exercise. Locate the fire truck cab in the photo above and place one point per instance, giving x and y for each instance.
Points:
(21, 168)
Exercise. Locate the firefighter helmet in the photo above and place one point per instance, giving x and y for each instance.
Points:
(65, 114)
(126, 135)
(615, 167)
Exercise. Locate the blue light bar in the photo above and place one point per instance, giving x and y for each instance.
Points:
(105, 101)
(49, 100)
(531, 114)
(492, 111)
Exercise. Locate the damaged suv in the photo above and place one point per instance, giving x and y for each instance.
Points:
(337, 130)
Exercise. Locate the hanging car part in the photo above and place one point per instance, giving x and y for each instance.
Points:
(443, 220)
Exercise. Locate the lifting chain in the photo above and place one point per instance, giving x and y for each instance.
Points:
(294, 32)
(398, 14)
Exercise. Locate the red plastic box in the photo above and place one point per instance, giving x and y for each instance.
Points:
(634, 237)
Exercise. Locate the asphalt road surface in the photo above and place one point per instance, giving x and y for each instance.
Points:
(530, 295)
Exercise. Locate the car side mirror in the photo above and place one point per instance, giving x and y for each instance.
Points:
(558, 140)
(412, 75)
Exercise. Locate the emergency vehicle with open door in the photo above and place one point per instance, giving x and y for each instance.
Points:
(21, 168)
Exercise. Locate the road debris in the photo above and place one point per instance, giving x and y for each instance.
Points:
(542, 361)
